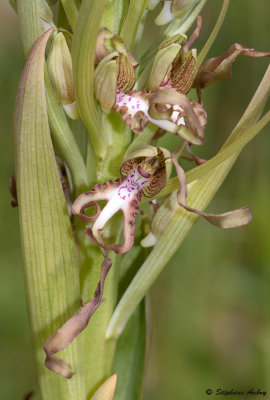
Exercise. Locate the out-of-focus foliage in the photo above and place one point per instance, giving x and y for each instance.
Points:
(210, 306)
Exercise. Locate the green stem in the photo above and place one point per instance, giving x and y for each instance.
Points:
(29, 23)
(91, 165)
(210, 41)
(97, 353)
(142, 139)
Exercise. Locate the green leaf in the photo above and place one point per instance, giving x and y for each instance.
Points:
(129, 361)
(50, 265)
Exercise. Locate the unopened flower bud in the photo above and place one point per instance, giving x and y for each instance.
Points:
(183, 72)
(60, 70)
(167, 53)
(105, 81)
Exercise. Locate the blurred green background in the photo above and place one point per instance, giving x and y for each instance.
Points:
(210, 307)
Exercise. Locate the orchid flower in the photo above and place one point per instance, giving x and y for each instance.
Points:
(145, 173)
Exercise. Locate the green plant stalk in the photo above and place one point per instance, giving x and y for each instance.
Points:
(214, 33)
(201, 191)
(120, 138)
(142, 139)
(29, 23)
(97, 353)
(99, 356)
(50, 265)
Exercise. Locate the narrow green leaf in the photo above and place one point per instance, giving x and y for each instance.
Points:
(130, 351)
(50, 265)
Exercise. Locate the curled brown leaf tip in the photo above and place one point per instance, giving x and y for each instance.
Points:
(74, 326)
(220, 68)
(231, 219)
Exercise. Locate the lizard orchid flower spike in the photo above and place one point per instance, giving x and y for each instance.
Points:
(144, 173)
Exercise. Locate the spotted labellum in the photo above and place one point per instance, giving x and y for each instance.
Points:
(143, 174)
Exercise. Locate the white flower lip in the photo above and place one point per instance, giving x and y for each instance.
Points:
(134, 103)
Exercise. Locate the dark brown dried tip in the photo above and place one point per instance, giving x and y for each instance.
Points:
(29, 395)
(13, 190)
(74, 326)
